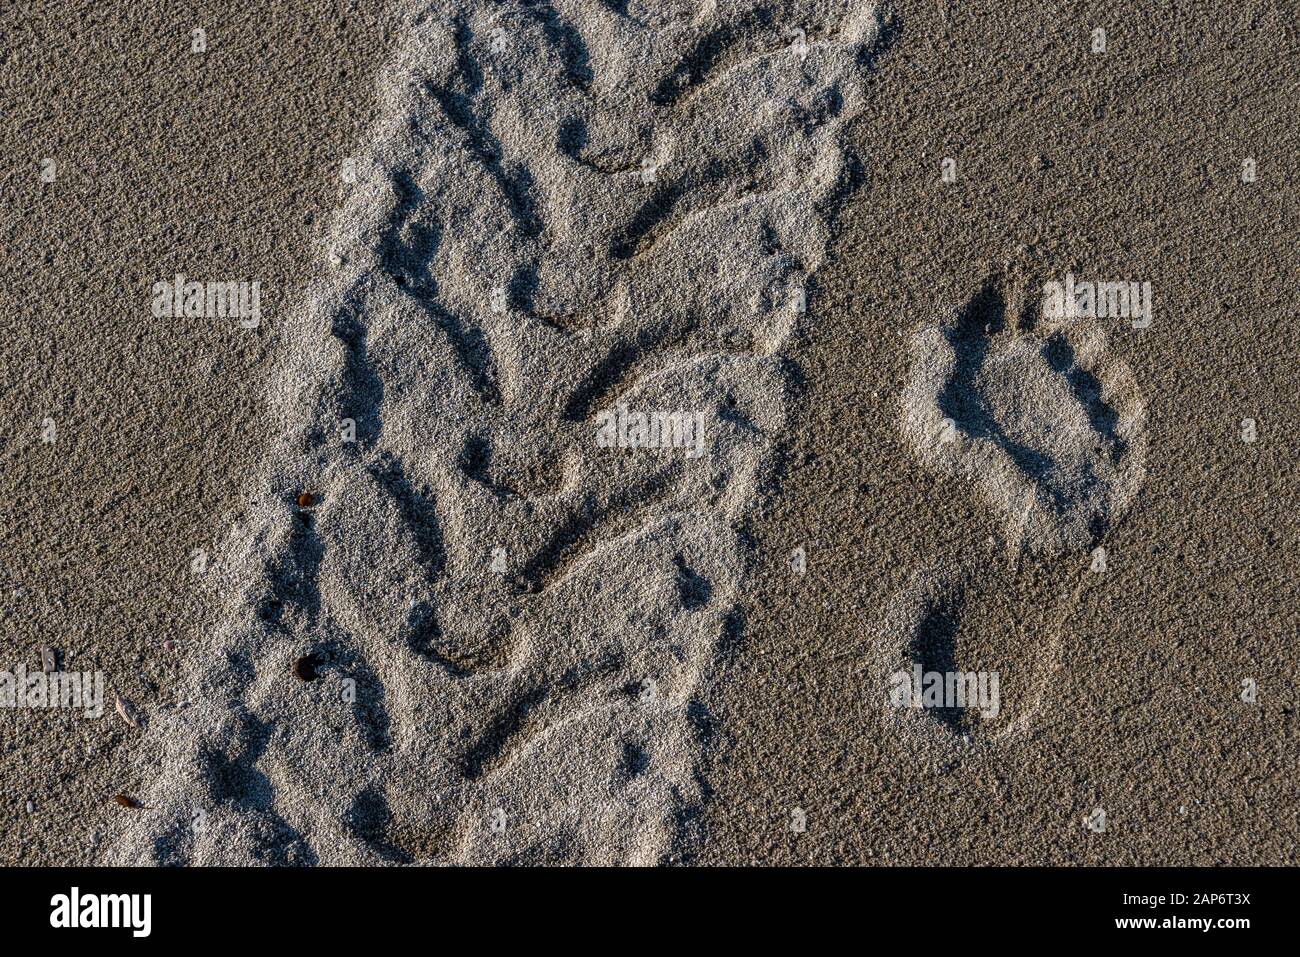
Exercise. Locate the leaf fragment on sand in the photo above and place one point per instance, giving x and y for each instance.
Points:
(125, 801)
(124, 712)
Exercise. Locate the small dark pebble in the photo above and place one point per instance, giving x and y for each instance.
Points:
(305, 668)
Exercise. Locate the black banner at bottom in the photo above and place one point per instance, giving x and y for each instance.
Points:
(335, 906)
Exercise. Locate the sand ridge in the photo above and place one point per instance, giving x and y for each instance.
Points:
(561, 210)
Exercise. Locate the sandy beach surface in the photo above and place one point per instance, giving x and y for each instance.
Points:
(1128, 166)
(216, 165)
(634, 393)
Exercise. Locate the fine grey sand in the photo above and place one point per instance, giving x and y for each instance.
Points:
(509, 622)
(1124, 165)
(223, 164)
(485, 231)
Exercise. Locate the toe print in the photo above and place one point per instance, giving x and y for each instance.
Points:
(1051, 429)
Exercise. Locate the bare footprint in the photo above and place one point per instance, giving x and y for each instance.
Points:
(1052, 432)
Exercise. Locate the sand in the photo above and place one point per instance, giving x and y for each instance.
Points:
(1124, 167)
(488, 233)
(220, 165)
(512, 619)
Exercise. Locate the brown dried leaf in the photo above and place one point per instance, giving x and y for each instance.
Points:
(125, 801)
(124, 712)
